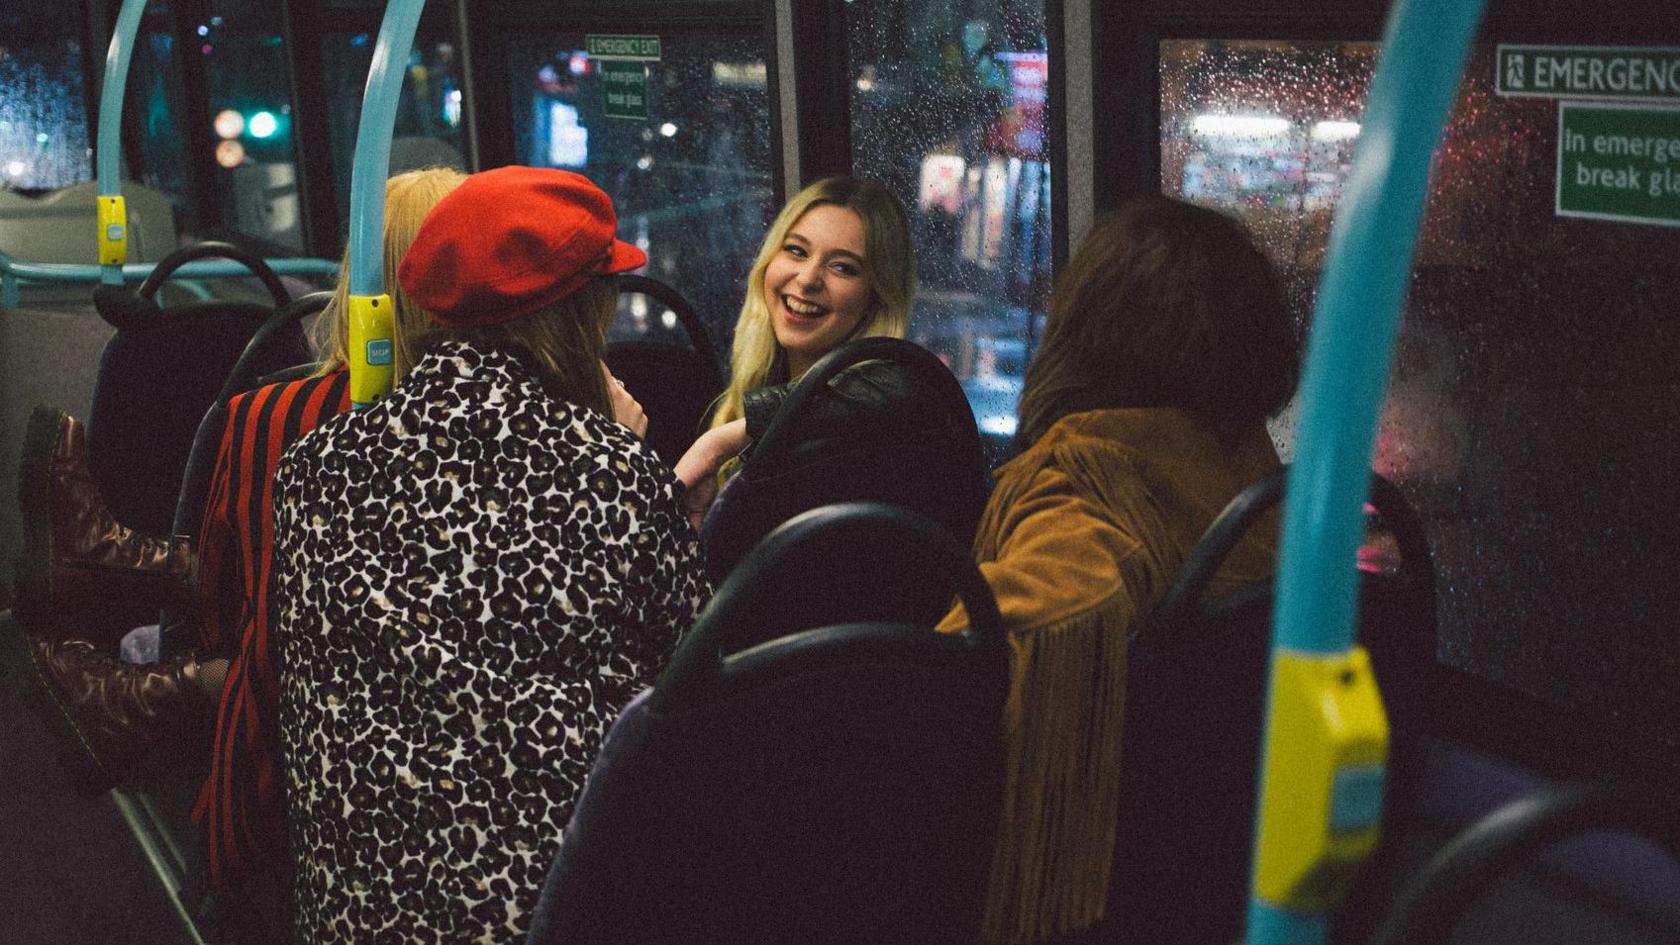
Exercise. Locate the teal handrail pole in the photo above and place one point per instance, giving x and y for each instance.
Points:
(373, 146)
(1367, 268)
(107, 164)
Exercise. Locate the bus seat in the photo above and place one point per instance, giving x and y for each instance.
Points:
(928, 460)
(157, 377)
(1437, 899)
(838, 785)
(419, 152)
(849, 573)
(273, 341)
(60, 226)
(675, 385)
(1195, 708)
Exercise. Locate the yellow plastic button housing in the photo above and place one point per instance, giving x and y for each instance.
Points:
(371, 347)
(1326, 744)
(113, 231)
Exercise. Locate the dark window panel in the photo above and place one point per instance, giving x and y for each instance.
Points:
(45, 141)
(950, 109)
(691, 181)
(1530, 414)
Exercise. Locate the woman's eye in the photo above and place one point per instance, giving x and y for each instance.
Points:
(794, 249)
(847, 269)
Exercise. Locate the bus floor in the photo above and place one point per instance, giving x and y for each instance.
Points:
(71, 872)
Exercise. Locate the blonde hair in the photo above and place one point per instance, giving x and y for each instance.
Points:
(408, 198)
(889, 263)
(562, 342)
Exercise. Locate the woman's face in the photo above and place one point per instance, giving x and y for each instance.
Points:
(817, 285)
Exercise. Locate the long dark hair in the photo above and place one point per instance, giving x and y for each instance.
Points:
(1165, 304)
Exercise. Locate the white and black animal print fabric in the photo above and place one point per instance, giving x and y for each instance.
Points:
(473, 579)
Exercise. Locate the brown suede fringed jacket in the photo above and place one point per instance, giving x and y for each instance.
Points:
(1082, 536)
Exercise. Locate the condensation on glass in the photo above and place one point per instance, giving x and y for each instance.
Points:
(250, 107)
(949, 110)
(1532, 413)
(691, 181)
(44, 142)
(427, 129)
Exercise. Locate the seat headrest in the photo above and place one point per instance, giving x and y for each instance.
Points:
(122, 309)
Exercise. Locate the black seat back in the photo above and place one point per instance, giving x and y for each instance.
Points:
(1195, 709)
(157, 377)
(836, 785)
(675, 385)
(274, 341)
(1437, 898)
(926, 457)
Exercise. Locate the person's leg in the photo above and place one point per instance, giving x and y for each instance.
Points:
(79, 568)
(110, 715)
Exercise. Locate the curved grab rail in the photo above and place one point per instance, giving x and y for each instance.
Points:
(1216, 542)
(212, 249)
(244, 375)
(779, 433)
(669, 297)
(1233, 523)
(1372, 242)
(698, 662)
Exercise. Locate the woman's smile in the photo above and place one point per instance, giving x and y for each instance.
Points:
(817, 286)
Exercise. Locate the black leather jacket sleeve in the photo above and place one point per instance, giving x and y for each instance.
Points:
(881, 396)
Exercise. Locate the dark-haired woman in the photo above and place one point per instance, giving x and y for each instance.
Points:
(477, 573)
(1168, 344)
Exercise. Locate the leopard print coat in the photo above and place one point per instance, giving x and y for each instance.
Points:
(473, 579)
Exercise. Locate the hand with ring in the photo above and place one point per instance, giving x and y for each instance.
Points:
(625, 409)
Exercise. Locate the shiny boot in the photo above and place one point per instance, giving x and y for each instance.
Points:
(80, 572)
(109, 715)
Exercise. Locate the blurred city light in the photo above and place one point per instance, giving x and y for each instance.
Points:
(1335, 130)
(230, 154)
(229, 123)
(263, 124)
(1239, 126)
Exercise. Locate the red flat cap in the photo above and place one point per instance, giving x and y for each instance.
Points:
(508, 242)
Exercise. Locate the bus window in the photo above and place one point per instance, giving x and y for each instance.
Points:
(427, 131)
(44, 142)
(1530, 413)
(250, 107)
(949, 110)
(155, 106)
(690, 178)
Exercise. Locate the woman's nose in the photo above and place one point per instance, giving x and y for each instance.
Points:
(809, 275)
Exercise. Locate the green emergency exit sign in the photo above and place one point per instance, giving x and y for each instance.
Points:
(1644, 73)
(623, 48)
(626, 89)
(1619, 163)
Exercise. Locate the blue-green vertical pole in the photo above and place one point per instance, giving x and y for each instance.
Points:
(373, 145)
(108, 162)
(372, 318)
(1366, 272)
